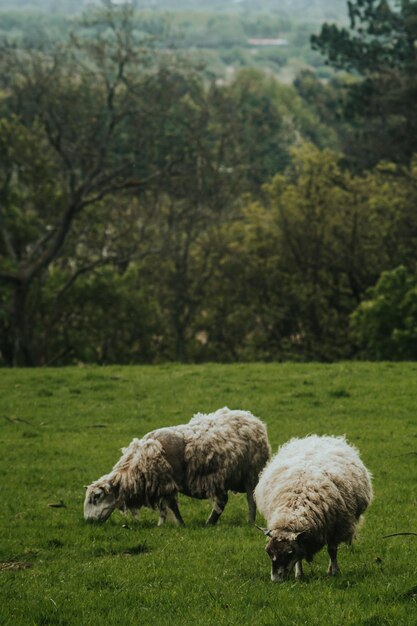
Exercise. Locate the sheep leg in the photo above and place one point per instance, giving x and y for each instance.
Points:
(162, 514)
(333, 568)
(218, 507)
(173, 505)
(251, 505)
(299, 570)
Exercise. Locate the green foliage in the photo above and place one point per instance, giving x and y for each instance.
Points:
(322, 103)
(134, 182)
(110, 117)
(297, 263)
(385, 323)
(190, 273)
(380, 47)
(28, 191)
(75, 324)
(261, 126)
(71, 424)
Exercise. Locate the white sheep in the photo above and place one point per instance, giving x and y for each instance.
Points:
(312, 493)
(205, 458)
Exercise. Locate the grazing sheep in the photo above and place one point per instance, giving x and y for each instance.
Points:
(312, 493)
(205, 458)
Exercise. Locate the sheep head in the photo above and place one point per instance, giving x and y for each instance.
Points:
(100, 501)
(284, 552)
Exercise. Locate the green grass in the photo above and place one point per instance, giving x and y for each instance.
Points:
(61, 429)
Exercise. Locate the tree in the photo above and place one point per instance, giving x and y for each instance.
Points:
(77, 126)
(379, 48)
(264, 136)
(385, 323)
(323, 103)
(299, 261)
(211, 171)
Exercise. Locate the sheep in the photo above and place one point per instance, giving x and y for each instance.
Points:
(212, 454)
(311, 493)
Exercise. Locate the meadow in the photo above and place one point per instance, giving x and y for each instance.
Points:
(62, 428)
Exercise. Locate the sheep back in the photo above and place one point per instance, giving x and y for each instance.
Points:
(224, 450)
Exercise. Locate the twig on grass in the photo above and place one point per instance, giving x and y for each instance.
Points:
(13, 420)
(413, 453)
(58, 505)
(398, 534)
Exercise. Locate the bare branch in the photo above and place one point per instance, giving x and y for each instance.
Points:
(105, 191)
(40, 243)
(82, 270)
(60, 234)
(398, 534)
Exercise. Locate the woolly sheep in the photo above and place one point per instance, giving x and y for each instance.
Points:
(312, 493)
(205, 458)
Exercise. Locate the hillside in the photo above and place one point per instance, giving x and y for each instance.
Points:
(221, 38)
(320, 9)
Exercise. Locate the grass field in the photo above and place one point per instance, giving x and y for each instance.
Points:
(62, 428)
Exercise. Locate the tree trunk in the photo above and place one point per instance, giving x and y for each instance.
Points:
(21, 334)
(181, 355)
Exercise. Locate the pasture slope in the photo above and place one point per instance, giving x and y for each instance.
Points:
(62, 428)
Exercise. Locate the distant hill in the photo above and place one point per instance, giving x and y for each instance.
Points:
(307, 9)
(221, 36)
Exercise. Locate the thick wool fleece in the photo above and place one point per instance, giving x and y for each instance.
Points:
(143, 475)
(225, 450)
(317, 485)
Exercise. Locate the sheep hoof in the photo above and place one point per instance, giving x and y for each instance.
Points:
(333, 571)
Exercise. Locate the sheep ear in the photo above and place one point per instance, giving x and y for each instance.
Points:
(296, 535)
(265, 531)
(86, 486)
(107, 487)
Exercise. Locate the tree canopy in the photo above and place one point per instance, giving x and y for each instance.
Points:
(149, 213)
(379, 48)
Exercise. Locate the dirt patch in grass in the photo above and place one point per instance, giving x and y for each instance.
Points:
(141, 548)
(339, 393)
(14, 566)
